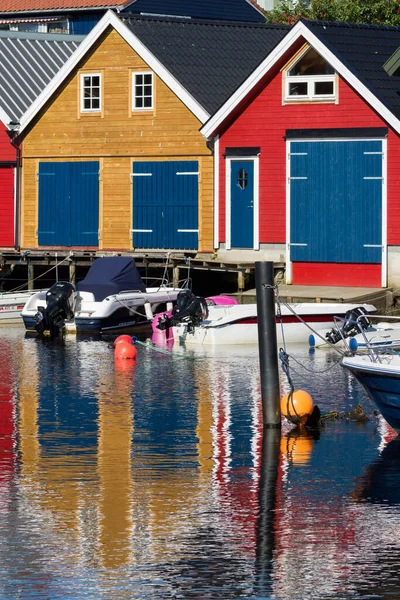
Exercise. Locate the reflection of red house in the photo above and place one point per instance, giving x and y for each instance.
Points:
(7, 415)
(29, 62)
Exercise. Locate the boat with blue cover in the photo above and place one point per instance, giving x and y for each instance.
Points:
(111, 297)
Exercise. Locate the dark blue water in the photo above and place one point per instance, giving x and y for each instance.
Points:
(156, 481)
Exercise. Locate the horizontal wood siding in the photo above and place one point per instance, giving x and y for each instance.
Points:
(118, 137)
(317, 274)
(7, 151)
(263, 123)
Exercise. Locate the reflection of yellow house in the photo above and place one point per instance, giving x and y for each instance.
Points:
(113, 157)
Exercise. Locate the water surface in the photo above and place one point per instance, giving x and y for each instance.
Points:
(156, 481)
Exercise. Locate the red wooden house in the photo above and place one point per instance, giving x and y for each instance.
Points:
(306, 158)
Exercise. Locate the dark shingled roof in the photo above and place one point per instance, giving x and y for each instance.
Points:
(364, 49)
(210, 60)
(225, 10)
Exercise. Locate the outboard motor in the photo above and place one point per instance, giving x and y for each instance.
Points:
(189, 309)
(60, 307)
(351, 326)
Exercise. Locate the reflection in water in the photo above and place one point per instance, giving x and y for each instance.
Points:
(157, 480)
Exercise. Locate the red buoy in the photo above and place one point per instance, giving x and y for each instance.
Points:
(125, 350)
(123, 338)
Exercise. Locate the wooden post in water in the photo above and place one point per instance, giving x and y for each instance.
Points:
(267, 344)
(72, 271)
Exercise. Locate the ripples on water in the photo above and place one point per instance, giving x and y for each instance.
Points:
(153, 481)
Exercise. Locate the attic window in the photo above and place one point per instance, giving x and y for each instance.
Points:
(143, 91)
(91, 92)
(310, 78)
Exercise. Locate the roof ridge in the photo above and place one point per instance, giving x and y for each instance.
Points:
(197, 21)
(350, 25)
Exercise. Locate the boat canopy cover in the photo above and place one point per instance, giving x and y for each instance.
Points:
(111, 275)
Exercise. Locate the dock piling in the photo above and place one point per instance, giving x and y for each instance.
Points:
(267, 344)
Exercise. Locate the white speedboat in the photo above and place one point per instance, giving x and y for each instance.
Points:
(201, 323)
(112, 297)
(11, 305)
(379, 374)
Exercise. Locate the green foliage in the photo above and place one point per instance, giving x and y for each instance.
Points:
(383, 12)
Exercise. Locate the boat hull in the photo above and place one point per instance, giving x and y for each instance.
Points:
(238, 324)
(11, 306)
(381, 383)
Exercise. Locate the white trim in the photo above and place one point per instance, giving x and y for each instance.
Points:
(216, 192)
(299, 30)
(384, 212)
(111, 19)
(133, 84)
(187, 230)
(289, 267)
(228, 210)
(310, 81)
(82, 109)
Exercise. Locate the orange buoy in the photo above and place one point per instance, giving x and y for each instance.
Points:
(125, 350)
(123, 338)
(297, 406)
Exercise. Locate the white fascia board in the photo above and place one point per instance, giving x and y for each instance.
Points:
(110, 19)
(299, 30)
(4, 117)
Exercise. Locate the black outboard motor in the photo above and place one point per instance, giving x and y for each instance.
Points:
(60, 305)
(351, 326)
(189, 309)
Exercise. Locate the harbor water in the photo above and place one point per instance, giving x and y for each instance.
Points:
(152, 480)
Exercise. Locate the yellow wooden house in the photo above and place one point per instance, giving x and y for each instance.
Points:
(112, 155)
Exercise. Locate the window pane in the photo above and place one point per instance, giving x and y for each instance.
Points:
(139, 103)
(311, 64)
(147, 102)
(139, 79)
(298, 89)
(96, 81)
(323, 88)
(147, 79)
(86, 104)
(147, 90)
(96, 104)
(86, 81)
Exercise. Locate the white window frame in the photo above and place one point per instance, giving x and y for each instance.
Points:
(142, 108)
(311, 80)
(82, 87)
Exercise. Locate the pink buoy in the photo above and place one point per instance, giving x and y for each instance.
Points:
(221, 300)
(125, 350)
(158, 316)
(123, 339)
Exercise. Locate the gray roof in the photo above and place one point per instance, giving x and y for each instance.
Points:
(28, 61)
(210, 59)
(364, 49)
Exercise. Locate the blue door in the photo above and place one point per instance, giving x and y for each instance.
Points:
(165, 204)
(336, 201)
(242, 204)
(68, 203)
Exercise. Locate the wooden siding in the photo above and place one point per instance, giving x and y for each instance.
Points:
(263, 123)
(116, 137)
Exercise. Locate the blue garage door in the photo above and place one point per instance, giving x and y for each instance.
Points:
(68, 204)
(165, 204)
(336, 201)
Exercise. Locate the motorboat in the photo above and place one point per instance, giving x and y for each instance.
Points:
(379, 374)
(196, 321)
(111, 297)
(359, 330)
(11, 305)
